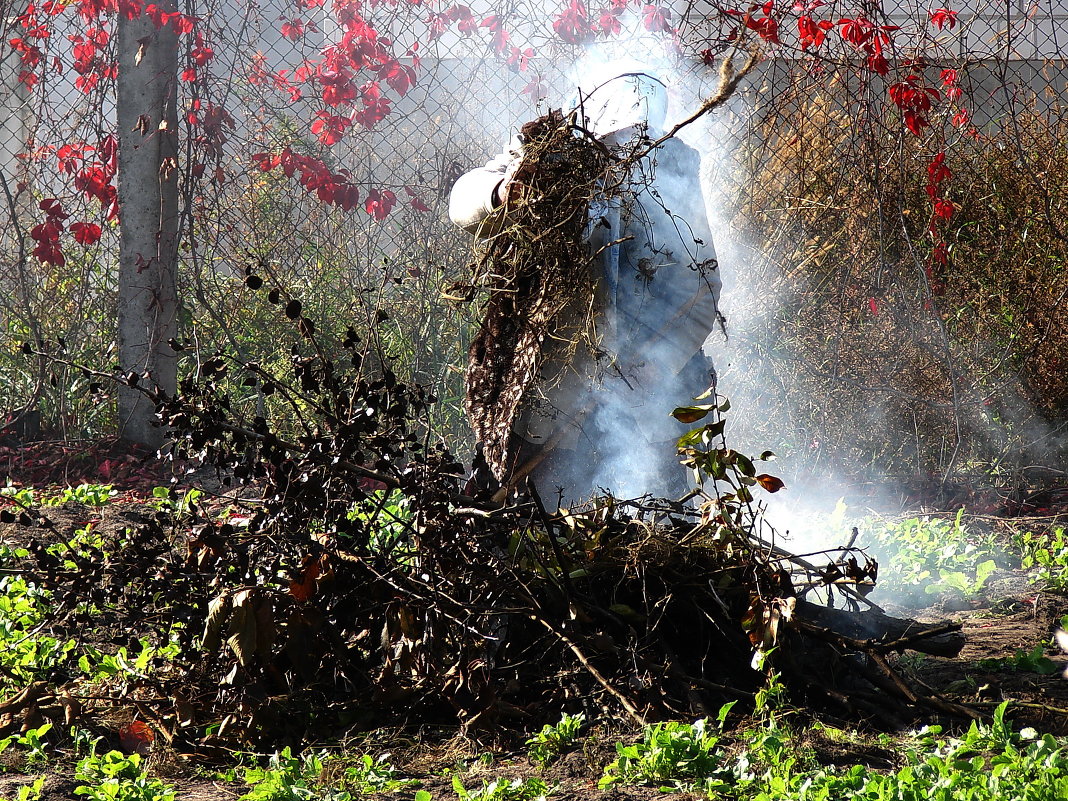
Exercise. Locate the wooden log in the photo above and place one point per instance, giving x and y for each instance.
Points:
(875, 631)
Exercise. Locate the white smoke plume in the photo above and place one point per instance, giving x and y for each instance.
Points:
(628, 459)
(808, 515)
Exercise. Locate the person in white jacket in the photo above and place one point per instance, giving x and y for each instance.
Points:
(606, 417)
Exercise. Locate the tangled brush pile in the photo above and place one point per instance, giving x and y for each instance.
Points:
(537, 272)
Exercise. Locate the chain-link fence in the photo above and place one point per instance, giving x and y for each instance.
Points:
(887, 192)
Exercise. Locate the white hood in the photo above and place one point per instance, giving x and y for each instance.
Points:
(627, 100)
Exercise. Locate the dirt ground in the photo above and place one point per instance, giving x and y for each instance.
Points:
(1012, 615)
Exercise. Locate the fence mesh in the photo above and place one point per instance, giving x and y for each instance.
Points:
(887, 194)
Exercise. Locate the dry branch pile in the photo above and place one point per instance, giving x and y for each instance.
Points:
(360, 587)
(536, 269)
(489, 618)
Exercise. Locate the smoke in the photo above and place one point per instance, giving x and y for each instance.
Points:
(625, 442)
(626, 428)
(648, 232)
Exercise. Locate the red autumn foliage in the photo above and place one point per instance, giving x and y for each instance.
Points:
(943, 18)
(85, 233)
(416, 201)
(354, 76)
(332, 188)
(913, 97)
(657, 19)
(942, 210)
(572, 25)
(765, 26)
(380, 203)
(812, 33)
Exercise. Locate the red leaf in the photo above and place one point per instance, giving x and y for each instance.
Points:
(53, 208)
(943, 18)
(85, 233)
(770, 483)
(380, 204)
(811, 33)
(302, 590)
(943, 209)
(873, 306)
(656, 19)
(573, 23)
(937, 171)
(137, 738)
(293, 30)
(416, 201)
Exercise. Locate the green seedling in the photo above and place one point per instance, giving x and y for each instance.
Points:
(115, 776)
(674, 756)
(33, 742)
(1047, 556)
(83, 543)
(550, 742)
(166, 500)
(291, 778)
(105, 666)
(22, 496)
(388, 519)
(1033, 661)
(372, 775)
(959, 581)
(532, 789)
(84, 742)
(27, 654)
(935, 554)
(990, 762)
(87, 494)
(29, 792)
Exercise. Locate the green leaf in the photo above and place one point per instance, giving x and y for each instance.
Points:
(745, 465)
(691, 414)
(982, 573)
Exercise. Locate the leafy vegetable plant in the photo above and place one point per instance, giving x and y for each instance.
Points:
(101, 667)
(673, 755)
(532, 789)
(25, 656)
(371, 775)
(289, 778)
(115, 776)
(1047, 555)
(88, 494)
(935, 555)
(32, 740)
(166, 500)
(1033, 661)
(546, 745)
(30, 792)
(21, 496)
(286, 777)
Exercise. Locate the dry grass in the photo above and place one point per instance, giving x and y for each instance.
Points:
(882, 361)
